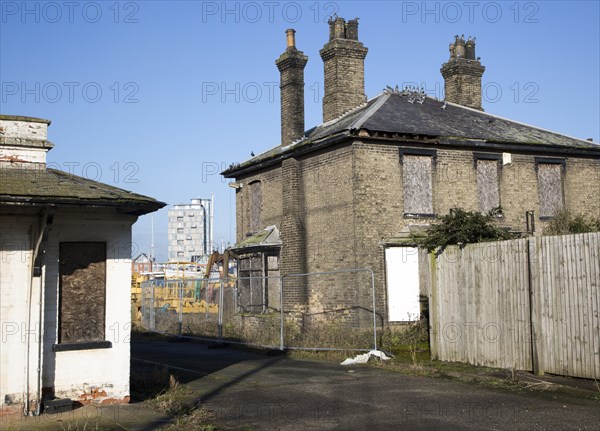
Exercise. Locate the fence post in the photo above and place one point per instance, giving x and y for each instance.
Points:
(434, 318)
(152, 318)
(220, 313)
(180, 323)
(534, 307)
(374, 310)
(282, 320)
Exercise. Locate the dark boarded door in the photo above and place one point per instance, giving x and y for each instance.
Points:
(82, 291)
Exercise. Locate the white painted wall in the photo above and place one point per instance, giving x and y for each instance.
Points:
(402, 275)
(15, 271)
(75, 372)
(71, 373)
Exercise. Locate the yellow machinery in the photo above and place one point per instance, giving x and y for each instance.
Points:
(173, 284)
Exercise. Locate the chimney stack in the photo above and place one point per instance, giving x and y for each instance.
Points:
(462, 74)
(344, 62)
(291, 68)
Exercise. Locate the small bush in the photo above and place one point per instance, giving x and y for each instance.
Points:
(565, 223)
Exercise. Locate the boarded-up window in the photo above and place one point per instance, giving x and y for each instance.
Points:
(252, 284)
(82, 291)
(417, 177)
(255, 205)
(488, 187)
(550, 188)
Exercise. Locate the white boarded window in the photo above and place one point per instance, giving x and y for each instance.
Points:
(550, 188)
(402, 273)
(488, 185)
(417, 179)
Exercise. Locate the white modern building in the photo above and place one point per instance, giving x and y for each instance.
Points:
(191, 231)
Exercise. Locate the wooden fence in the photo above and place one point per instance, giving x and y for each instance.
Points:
(528, 304)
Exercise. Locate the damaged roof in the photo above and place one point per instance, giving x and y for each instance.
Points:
(54, 187)
(266, 238)
(408, 115)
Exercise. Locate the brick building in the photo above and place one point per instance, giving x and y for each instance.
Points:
(348, 192)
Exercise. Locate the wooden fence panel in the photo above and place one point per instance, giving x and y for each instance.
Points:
(568, 285)
(480, 309)
(478, 300)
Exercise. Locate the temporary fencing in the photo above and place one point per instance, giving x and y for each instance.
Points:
(316, 311)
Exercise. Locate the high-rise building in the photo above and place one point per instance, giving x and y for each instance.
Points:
(191, 231)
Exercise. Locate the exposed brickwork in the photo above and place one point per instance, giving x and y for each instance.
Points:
(291, 67)
(462, 75)
(293, 234)
(336, 208)
(344, 64)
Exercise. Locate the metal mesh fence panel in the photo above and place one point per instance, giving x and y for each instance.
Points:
(200, 307)
(252, 311)
(319, 311)
(148, 305)
(338, 313)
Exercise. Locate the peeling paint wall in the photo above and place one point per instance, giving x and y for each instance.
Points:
(24, 129)
(78, 372)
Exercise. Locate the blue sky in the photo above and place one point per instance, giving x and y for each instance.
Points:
(157, 97)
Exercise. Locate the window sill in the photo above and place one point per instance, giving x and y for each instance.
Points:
(84, 345)
(419, 215)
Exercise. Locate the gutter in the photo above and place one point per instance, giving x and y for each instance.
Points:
(296, 151)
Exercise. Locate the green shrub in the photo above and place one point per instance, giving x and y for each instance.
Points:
(463, 227)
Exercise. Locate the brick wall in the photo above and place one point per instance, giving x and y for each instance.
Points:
(271, 202)
(350, 200)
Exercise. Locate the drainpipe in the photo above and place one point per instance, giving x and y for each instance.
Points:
(38, 410)
(34, 257)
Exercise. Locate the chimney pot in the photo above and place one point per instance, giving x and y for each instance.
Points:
(340, 28)
(291, 38)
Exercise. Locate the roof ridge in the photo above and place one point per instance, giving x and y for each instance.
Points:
(348, 112)
(361, 120)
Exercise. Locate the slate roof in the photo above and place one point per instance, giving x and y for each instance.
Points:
(445, 123)
(54, 187)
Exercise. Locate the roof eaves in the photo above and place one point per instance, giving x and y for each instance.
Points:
(300, 148)
(507, 146)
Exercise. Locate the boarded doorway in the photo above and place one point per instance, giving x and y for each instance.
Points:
(402, 275)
